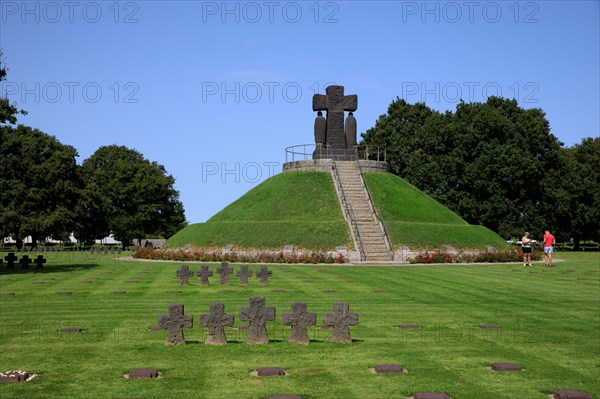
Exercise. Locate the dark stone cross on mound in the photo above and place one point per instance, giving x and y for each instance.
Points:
(263, 274)
(243, 274)
(174, 322)
(204, 274)
(216, 320)
(299, 319)
(39, 261)
(184, 274)
(25, 261)
(340, 320)
(257, 315)
(335, 103)
(10, 258)
(224, 271)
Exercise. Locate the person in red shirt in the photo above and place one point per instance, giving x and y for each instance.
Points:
(549, 241)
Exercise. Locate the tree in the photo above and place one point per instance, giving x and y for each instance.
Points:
(132, 196)
(39, 184)
(493, 163)
(583, 180)
(8, 112)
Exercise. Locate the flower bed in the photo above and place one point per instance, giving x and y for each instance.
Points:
(499, 256)
(235, 257)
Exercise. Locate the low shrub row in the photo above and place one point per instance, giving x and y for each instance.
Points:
(497, 256)
(235, 257)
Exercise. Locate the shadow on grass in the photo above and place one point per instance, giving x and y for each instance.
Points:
(74, 267)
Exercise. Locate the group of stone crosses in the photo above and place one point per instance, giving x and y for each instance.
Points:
(224, 271)
(257, 315)
(25, 261)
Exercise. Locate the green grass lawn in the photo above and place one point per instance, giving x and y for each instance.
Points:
(550, 325)
(415, 219)
(298, 208)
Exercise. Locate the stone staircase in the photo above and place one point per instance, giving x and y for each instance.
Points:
(371, 234)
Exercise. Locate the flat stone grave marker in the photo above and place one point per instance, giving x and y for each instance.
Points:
(299, 318)
(142, 373)
(25, 261)
(7, 294)
(184, 274)
(71, 330)
(14, 376)
(379, 291)
(228, 247)
(506, 367)
(388, 369)
(64, 292)
(173, 292)
(567, 394)
(39, 261)
(257, 314)
(308, 281)
(10, 259)
(224, 271)
(243, 274)
(582, 278)
(204, 273)
(40, 282)
(407, 326)
(270, 371)
(119, 292)
(489, 326)
(263, 274)
(216, 320)
(174, 322)
(340, 320)
(279, 291)
(431, 395)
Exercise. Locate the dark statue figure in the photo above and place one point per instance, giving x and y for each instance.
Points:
(350, 131)
(320, 128)
(335, 103)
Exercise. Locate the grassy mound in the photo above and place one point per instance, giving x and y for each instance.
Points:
(414, 218)
(299, 208)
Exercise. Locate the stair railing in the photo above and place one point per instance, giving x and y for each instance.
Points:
(346, 206)
(376, 210)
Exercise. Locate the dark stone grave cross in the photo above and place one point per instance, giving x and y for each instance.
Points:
(299, 319)
(216, 320)
(243, 274)
(204, 274)
(335, 103)
(39, 261)
(257, 315)
(25, 261)
(224, 271)
(184, 274)
(263, 274)
(174, 322)
(10, 258)
(340, 320)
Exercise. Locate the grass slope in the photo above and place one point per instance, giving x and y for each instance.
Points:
(550, 325)
(299, 208)
(415, 219)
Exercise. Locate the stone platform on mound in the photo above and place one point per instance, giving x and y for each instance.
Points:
(326, 165)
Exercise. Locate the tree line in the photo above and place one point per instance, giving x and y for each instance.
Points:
(497, 165)
(45, 193)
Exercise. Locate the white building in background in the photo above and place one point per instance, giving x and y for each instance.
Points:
(110, 240)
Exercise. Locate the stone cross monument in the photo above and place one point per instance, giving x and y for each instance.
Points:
(336, 136)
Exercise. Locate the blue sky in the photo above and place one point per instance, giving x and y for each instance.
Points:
(216, 90)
